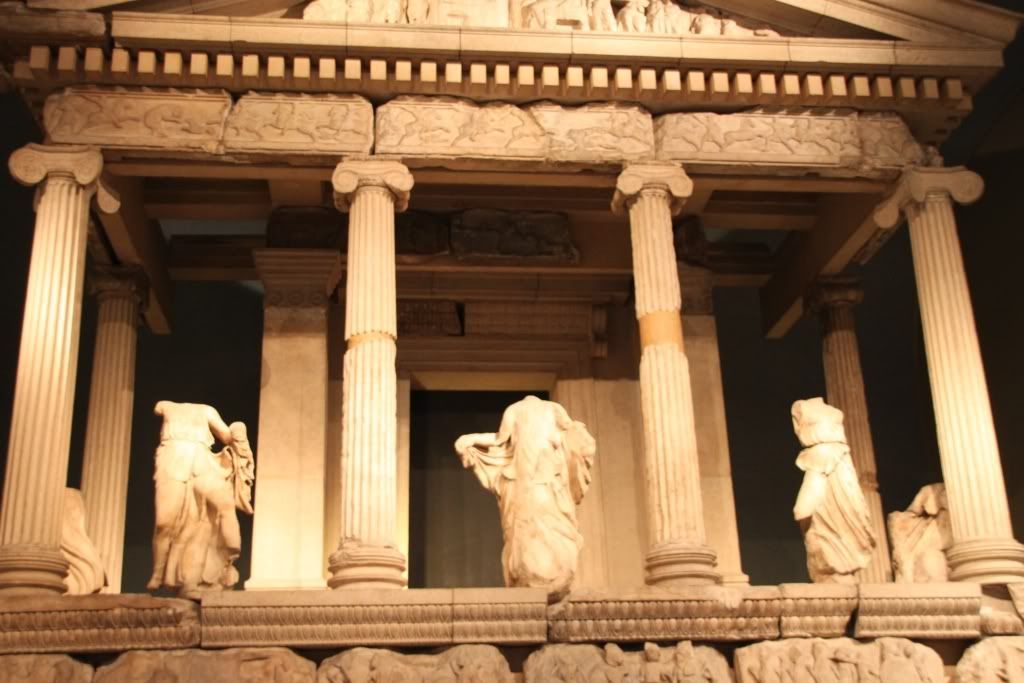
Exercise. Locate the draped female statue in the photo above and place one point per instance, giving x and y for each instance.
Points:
(830, 507)
(538, 464)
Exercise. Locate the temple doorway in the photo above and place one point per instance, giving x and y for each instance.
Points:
(454, 526)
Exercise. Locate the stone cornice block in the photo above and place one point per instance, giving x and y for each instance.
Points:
(499, 615)
(300, 124)
(919, 610)
(96, 623)
(144, 119)
(823, 610)
(694, 613)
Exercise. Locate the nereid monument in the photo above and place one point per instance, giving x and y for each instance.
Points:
(446, 205)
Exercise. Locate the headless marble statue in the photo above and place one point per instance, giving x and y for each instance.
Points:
(830, 508)
(197, 538)
(538, 464)
(920, 537)
(85, 568)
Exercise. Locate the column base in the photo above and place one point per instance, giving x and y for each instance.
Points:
(735, 579)
(32, 570)
(676, 564)
(986, 561)
(359, 565)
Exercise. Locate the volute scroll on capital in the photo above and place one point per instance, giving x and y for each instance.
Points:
(917, 184)
(34, 163)
(350, 176)
(635, 178)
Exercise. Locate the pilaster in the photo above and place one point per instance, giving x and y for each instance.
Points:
(368, 555)
(288, 537)
(120, 294)
(984, 549)
(37, 455)
(651, 194)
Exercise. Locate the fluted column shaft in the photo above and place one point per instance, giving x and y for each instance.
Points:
(652, 193)
(37, 455)
(984, 549)
(108, 431)
(368, 555)
(844, 385)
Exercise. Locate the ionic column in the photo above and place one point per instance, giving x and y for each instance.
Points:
(844, 384)
(288, 525)
(108, 431)
(984, 549)
(37, 454)
(368, 555)
(652, 193)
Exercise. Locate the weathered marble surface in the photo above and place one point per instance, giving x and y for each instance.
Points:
(538, 465)
(196, 537)
(818, 660)
(460, 664)
(830, 507)
(992, 660)
(303, 124)
(120, 118)
(243, 665)
(512, 237)
(572, 663)
(920, 536)
(596, 132)
(43, 669)
(840, 143)
(85, 567)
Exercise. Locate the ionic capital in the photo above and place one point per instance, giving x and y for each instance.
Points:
(833, 293)
(669, 179)
(32, 164)
(920, 183)
(119, 282)
(351, 176)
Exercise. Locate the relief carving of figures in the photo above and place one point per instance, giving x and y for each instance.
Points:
(838, 660)
(830, 507)
(239, 665)
(920, 537)
(682, 663)
(197, 539)
(460, 664)
(632, 17)
(888, 142)
(538, 465)
(998, 659)
(554, 14)
(602, 16)
(596, 132)
(85, 567)
(448, 126)
(300, 124)
(43, 669)
(144, 118)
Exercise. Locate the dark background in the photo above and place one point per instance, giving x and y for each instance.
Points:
(214, 354)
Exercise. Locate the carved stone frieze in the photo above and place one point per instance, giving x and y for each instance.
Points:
(447, 127)
(306, 227)
(118, 118)
(596, 132)
(512, 237)
(43, 669)
(419, 234)
(428, 319)
(834, 142)
(243, 665)
(823, 610)
(499, 615)
(529, 319)
(303, 124)
(993, 659)
(928, 610)
(96, 623)
(817, 660)
(693, 612)
(460, 664)
(571, 663)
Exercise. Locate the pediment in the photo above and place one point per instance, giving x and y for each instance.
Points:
(923, 21)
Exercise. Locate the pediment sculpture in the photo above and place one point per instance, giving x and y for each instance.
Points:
(538, 465)
(197, 539)
(666, 17)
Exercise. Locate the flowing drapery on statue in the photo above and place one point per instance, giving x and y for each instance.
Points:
(538, 465)
(830, 507)
(85, 568)
(920, 537)
(196, 538)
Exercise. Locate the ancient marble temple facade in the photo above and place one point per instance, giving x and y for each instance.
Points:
(505, 194)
